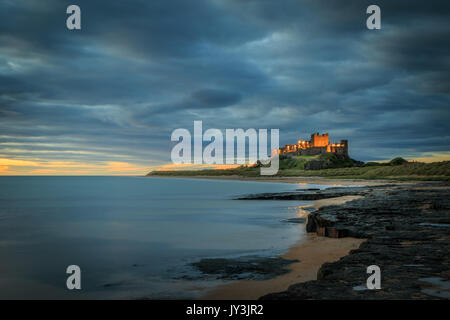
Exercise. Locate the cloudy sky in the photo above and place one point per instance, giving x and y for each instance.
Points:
(105, 99)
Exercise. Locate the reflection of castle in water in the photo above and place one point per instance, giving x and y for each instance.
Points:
(318, 144)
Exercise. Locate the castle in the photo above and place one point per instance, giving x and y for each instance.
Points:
(318, 144)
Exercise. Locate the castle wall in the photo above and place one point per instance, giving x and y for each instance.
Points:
(303, 144)
(338, 150)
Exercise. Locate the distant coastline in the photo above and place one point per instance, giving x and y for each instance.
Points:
(328, 166)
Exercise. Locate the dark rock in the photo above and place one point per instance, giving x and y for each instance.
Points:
(308, 195)
(295, 220)
(315, 165)
(244, 267)
(407, 232)
(336, 233)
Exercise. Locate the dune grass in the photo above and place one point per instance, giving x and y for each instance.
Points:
(434, 171)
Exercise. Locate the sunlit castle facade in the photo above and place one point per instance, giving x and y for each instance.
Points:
(318, 144)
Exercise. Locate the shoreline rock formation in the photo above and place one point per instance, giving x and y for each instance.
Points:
(407, 228)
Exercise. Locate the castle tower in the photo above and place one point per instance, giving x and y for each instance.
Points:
(318, 140)
(344, 143)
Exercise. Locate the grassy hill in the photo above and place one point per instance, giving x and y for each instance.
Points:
(339, 168)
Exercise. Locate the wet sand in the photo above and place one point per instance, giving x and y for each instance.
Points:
(312, 251)
(296, 180)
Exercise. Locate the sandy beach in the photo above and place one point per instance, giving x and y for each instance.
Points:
(312, 251)
(296, 180)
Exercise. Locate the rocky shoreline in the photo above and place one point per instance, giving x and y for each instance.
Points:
(407, 227)
(311, 194)
(249, 267)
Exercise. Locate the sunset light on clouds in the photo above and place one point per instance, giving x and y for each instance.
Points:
(42, 167)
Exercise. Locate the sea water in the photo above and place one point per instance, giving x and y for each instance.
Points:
(132, 237)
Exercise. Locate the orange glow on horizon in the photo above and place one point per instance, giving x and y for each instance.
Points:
(43, 167)
(188, 166)
(49, 167)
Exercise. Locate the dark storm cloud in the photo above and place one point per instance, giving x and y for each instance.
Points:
(212, 97)
(201, 99)
(139, 69)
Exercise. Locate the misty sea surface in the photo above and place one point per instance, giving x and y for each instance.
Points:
(133, 237)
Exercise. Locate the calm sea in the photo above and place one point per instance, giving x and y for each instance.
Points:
(132, 237)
